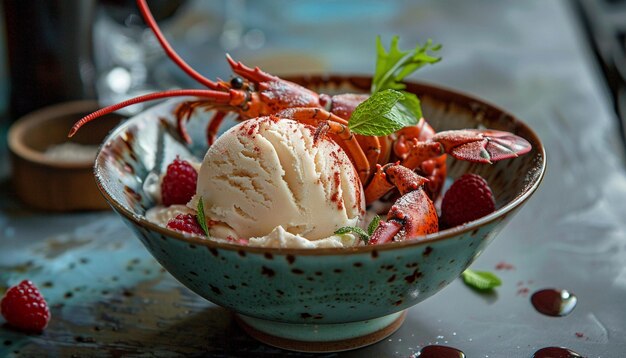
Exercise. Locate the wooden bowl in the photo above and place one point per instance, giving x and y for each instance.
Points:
(48, 182)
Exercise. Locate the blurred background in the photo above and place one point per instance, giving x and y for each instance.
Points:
(59, 50)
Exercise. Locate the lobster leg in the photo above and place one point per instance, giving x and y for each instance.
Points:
(389, 176)
(435, 170)
(413, 214)
(422, 131)
(328, 123)
(213, 127)
(385, 150)
(183, 113)
(370, 145)
(420, 152)
(354, 151)
(378, 186)
(416, 152)
(342, 105)
(308, 114)
(372, 148)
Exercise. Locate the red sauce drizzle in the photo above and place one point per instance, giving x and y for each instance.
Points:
(553, 302)
(556, 352)
(436, 351)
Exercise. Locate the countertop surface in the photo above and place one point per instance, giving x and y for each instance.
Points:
(109, 297)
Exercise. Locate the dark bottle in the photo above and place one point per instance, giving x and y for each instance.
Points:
(49, 45)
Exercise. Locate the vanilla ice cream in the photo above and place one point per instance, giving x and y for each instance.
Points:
(161, 215)
(267, 173)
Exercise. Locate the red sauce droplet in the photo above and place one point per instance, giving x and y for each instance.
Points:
(440, 352)
(522, 291)
(504, 266)
(556, 352)
(553, 302)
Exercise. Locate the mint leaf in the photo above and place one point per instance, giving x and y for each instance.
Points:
(481, 280)
(373, 225)
(201, 218)
(354, 230)
(410, 106)
(365, 236)
(384, 113)
(389, 108)
(393, 66)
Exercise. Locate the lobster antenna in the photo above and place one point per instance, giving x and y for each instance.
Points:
(215, 95)
(147, 15)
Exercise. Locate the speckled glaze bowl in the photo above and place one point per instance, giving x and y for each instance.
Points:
(325, 299)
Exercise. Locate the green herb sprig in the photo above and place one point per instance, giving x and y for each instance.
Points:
(394, 66)
(481, 280)
(390, 108)
(201, 218)
(362, 234)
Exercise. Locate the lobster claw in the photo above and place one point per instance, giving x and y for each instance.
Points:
(413, 214)
(481, 146)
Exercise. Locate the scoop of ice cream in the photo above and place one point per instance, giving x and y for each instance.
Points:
(267, 172)
(160, 214)
(279, 238)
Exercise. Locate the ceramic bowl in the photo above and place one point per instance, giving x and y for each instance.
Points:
(324, 299)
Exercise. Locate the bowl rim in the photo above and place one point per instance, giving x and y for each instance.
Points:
(455, 95)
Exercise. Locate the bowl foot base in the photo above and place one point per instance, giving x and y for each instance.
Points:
(320, 338)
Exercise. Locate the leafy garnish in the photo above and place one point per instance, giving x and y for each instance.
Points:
(354, 230)
(390, 108)
(373, 225)
(365, 236)
(201, 218)
(481, 280)
(383, 113)
(410, 106)
(393, 66)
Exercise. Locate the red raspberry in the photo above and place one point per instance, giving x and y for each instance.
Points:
(24, 308)
(179, 183)
(186, 223)
(469, 198)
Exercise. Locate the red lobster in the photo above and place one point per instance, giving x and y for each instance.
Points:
(253, 93)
